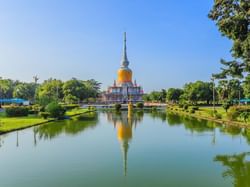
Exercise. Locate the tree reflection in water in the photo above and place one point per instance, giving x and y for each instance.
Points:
(72, 127)
(238, 168)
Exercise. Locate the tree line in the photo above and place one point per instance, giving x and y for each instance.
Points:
(202, 92)
(70, 91)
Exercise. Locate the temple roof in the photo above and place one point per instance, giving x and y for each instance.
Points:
(125, 61)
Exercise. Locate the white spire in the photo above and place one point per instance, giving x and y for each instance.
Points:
(125, 61)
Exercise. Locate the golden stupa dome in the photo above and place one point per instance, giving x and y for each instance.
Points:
(124, 73)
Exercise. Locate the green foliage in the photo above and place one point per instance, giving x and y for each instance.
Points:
(185, 106)
(192, 111)
(50, 90)
(229, 89)
(195, 108)
(25, 91)
(44, 115)
(217, 115)
(181, 105)
(140, 105)
(74, 90)
(232, 19)
(70, 99)
(71, 106)
(93, 88)
(198, 91)
(146, 97)
(17, 111)
(245, 115)
(55, 110)
(236, 111)
(226, 105)
(154, 109)
(117, 107)
(173, 94)
(246, 86)
(155, 96)
(233, 113)
(7, 87)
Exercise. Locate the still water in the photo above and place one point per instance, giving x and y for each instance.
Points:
(116, 149)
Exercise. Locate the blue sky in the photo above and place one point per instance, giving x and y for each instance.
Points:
(169, 42)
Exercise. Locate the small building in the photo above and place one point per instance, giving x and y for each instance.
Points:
(17, 101)
(123, 89)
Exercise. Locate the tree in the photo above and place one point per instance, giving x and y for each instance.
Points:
(155, 96)
(25, 91)
(232, 18)
(173, 94)
(93, 88)
(146, 97)
(74, 90)
(163, 95)
(55, 110)
(246, 86)
(7, 87)
(198, 91)
(50, 90)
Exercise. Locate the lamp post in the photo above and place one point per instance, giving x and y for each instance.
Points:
(239, 92)
(36, 78)
(213, 95)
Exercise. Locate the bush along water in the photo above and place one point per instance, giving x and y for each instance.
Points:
(55, 110)
(118, 107)
(17, 111)
(139, 105)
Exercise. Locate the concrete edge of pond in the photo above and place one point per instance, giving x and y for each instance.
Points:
(42, 123)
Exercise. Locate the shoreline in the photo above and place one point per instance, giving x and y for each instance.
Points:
(42, 123)
(219, 121)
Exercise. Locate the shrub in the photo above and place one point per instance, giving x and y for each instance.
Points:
(195, 108)
(245, 115)
(218, 115)
(44, 115)
(185, 106)
(55, 110)
(15, 111)
(233, 113)
(212, 113)
(118, 107)
(154, 109)
(192, 111)
(71, 106)
(226, 106)
(140, 105)
(180, 105)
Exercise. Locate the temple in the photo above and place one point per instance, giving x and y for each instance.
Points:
(123, 90)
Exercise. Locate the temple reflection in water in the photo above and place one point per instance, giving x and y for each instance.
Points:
(124, 122)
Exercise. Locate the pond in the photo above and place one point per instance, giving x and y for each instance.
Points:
(120, 149)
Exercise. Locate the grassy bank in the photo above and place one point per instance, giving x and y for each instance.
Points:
(221, 116)
(76, 111)
(8, 124)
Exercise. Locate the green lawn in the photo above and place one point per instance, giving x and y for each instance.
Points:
(76, 111)
(13, 123)
(8, 124)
